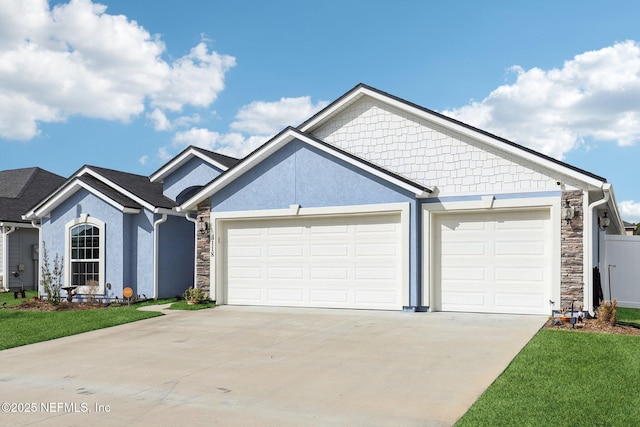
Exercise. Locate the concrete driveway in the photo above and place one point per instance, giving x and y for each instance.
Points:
(235, 366)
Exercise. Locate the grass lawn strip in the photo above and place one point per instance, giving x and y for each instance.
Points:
(628, 315)
(21, 327)
(565, 378)
(183, 305)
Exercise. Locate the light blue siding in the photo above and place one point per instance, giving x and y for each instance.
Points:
(83, 202)
(196, 172)
(176, 260)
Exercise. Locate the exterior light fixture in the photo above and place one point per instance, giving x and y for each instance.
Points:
(568, 212)
(605, 221)
(203, 227)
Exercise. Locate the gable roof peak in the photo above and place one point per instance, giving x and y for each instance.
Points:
(361, 89)
(220, 161)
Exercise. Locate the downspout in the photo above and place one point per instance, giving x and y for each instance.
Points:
(156, 253)
(589, 240)
(5, 255)
(195, 247)
(38, 270)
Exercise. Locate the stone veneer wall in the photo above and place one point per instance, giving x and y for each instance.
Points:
(203, 255)
(572, 253)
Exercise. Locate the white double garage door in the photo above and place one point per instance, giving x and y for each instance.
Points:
(345, 261)
(493, 262)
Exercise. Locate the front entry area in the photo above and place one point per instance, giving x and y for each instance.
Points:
(325, 261)
(494, 262)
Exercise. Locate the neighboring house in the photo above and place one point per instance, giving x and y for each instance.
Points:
(378, 203)
(629, 228)
(115, 229)
(20, 189)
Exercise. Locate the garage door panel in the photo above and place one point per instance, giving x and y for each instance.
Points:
(516, 248)
(376, 249)
(328, 250)
(522, 274)
(248, 295)
(246, 273)
(327, 230)
(372, 299)
(496, 262)
(246, 251)
(322, 273)
(287, 251)
(469, 301)
(285, 295)
(284, 273)
(334, 297)
(334, 262)
(455, 274)
(464, 248)
(513, 302)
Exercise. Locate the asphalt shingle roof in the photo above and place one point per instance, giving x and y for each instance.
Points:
(21, 189)
(139, 185)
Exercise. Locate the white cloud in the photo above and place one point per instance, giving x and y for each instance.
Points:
(159, 120)
(255, 124)
(268, 118)
(76, 59)
(143, 160)
(231, 144)
(593, 96)
(630, 210)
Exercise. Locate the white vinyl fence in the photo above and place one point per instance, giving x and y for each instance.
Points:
(620, 273)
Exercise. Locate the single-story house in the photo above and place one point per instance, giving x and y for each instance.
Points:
(20, 189)
(379, 203)
(115, 229)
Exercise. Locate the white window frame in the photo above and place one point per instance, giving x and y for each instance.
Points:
(84, 220)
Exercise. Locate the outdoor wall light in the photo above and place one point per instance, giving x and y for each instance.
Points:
(604, 221)
(568, 212)
(203, 227)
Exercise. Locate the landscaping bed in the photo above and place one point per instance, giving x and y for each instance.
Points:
(592, 325)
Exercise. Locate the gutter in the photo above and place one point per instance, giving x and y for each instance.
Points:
(588, 294)
(156, 253)
(39, 269)
(195, 247)
(5, 260)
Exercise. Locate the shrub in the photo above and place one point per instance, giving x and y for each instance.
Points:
(195, 295)
(606, 313)
(51, 279)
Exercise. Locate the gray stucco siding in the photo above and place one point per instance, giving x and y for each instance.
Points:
(196, 172)
(299, 174)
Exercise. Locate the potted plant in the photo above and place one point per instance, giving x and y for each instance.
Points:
(195, 295)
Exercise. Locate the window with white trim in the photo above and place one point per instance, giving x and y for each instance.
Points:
(85, 255)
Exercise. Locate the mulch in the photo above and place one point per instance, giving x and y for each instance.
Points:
(592, 325)
(43, 305)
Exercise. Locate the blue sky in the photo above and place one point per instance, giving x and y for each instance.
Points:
(128, 84)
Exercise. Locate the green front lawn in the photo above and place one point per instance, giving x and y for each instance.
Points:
(566, 378)
(10, 300)
(21, 327)
(629, 315)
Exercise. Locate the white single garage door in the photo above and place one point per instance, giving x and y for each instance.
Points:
(351, 261)
(498, 262)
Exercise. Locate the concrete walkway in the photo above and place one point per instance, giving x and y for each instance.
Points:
(233, 366)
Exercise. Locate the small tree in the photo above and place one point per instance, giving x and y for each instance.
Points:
(51, 279)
